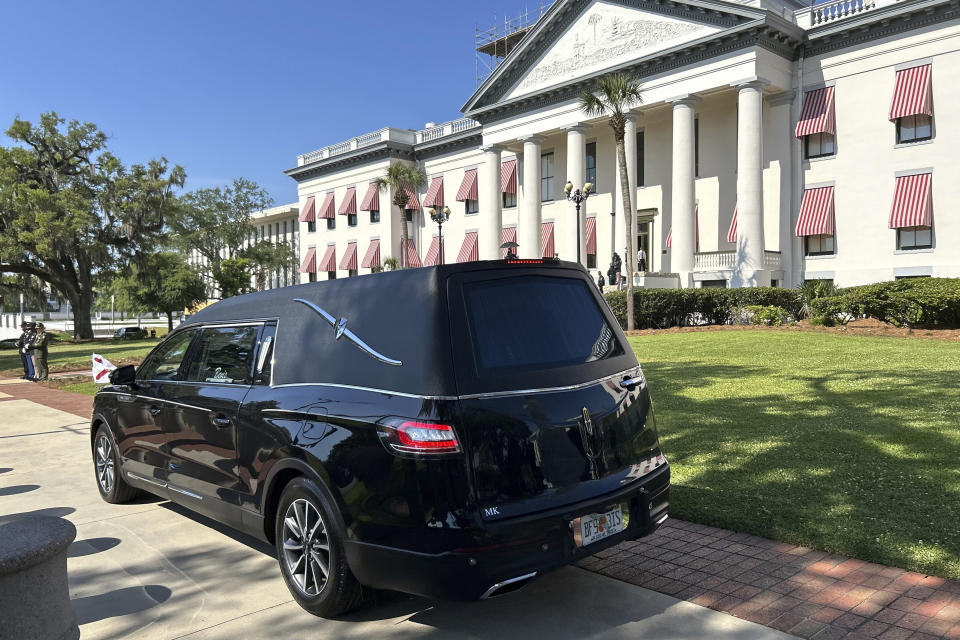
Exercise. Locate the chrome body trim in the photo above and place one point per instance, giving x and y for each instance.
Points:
(360, 388)
(172, 487)
(662, 518)
(340, 329)
(523, 392)
(142, 478)
(627, 383)
(500, 585)
(262, 356)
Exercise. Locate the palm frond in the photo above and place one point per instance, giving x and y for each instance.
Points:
(591, 105)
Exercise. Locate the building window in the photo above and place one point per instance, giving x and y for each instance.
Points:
(351, 219)
(409, 213)
(284, 229)
(820, 245)
(914, 238)
(592, 163)
(639, 158)
(591, 261)
(331, 275)
(312, 277)
(696, 147)
(351, 273)
(546, 177)
(331, 223)
(509, 200)
(311, 226)
(374, 216)
(471, 206)
(713, 284)
(914, 128)
(819, 145)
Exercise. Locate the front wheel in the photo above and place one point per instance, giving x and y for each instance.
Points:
(106, 463)
(311, 554)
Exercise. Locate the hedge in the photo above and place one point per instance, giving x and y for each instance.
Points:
(662, 308)
(929, 303)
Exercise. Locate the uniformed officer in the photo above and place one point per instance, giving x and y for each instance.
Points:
(40, 352)
(23, 344)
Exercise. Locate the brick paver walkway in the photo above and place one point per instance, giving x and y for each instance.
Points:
(807, 593)
(76, 403)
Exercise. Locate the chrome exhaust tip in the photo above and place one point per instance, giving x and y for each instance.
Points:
(506, 586)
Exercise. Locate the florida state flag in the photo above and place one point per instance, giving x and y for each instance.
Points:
(101, 369)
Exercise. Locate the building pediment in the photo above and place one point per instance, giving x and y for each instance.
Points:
(579, 38)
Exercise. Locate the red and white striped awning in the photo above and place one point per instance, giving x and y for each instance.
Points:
(350, 257)
(469, 251)
(309, 211)
(433, 253)
(507, 234)
(349, 204)
(413, 258)
(329, 261)
(371, 258)
(546, 240)
(434, 193)
(327, 209)
(413, 202)
(309, 264)
(912, 93)
(668, 243)
(508, 176)
(592, 236)
(468, 188)
(371, 201)
(818, 114)
(732, 233)
(816, 213)
(912, 202)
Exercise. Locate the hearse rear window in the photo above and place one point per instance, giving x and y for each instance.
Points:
(536, 322)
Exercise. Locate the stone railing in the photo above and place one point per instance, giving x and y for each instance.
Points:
(832, 11)
(727, 260)
(352, 144)
(446, 129)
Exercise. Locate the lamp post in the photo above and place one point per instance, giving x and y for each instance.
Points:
(440, 217)
(577, 197)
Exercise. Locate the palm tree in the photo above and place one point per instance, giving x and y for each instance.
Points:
(402, 177)
(617, 92)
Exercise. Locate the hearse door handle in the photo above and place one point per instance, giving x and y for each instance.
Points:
(154, 410)
(630, 383)
(221, 421)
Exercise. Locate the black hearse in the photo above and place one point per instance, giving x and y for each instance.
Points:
(449, 431)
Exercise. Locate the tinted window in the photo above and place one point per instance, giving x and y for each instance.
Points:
(224, 355)
(536, 322)
(164, 363)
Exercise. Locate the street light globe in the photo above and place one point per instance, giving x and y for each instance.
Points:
(587, 188)
(446, 211)
(568, 188)
(432, 211)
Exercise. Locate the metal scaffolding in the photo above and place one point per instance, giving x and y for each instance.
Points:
(494, 44)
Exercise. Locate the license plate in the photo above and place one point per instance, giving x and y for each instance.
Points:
(597, 526)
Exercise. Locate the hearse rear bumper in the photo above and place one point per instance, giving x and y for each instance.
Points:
(536, 544)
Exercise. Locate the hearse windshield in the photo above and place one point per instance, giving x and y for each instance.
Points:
(536, 322)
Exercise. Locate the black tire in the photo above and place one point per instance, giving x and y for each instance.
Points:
(339, 592)
(106, 469)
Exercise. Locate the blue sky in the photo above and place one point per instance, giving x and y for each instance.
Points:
(239, 88)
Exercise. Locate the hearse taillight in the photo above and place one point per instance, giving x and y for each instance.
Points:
(418, 438)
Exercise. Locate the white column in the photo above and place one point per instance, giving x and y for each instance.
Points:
(491, 204)
(630, 151)
(576, 174)
(682, 203)
(528, 223)
(781, 140)
(748, 269)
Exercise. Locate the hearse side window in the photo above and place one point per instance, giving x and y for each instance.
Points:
(164, 363)
(535, 323)
(224, 355)
(264, 363)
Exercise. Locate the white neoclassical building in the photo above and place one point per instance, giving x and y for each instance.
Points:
(775, 143)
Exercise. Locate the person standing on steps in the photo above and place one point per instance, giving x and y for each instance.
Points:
(40, 341)
(600, 282)
(642, 260)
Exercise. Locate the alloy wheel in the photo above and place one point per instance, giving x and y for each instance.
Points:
(306, 547)
(106, 471)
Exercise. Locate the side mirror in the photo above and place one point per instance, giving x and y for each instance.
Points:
(125, 375)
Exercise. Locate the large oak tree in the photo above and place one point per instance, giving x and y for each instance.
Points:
(71, 212)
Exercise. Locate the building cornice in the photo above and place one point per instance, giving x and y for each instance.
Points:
(382, 151)
(449, 144)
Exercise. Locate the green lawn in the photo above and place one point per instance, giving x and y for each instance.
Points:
(66, 356)
(847, 444)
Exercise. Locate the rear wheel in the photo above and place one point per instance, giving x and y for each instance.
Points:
(311, 554)
(106, 463)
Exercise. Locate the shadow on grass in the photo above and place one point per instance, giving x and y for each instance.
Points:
(858, 463)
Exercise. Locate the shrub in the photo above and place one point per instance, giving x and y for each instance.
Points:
(931, 303)
(767, 315)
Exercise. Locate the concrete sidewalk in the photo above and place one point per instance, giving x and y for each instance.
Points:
(153, 570)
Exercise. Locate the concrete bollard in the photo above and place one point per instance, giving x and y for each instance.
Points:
(34, 595)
